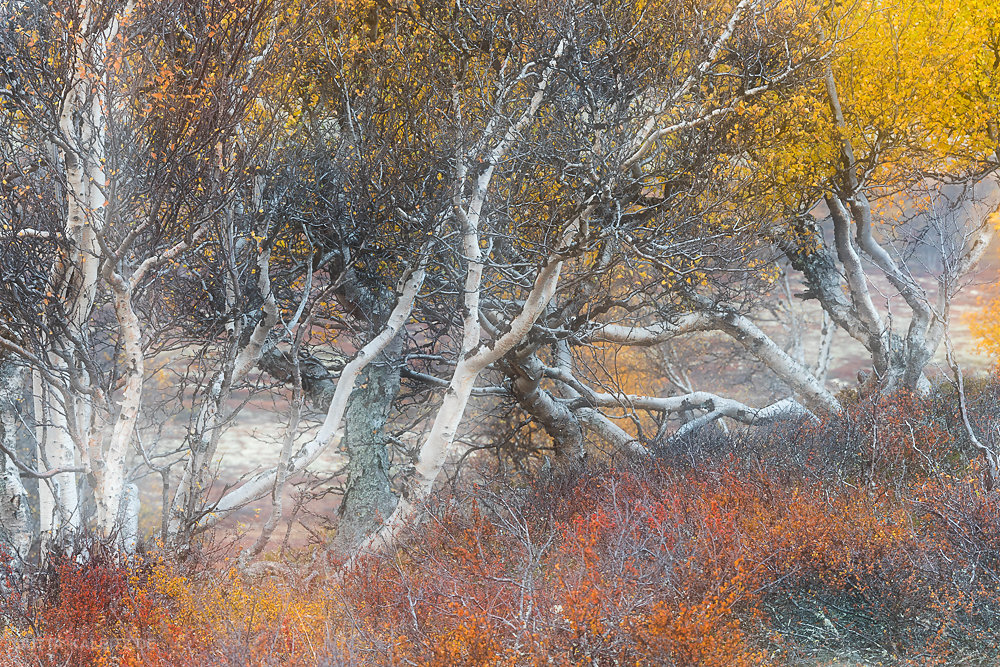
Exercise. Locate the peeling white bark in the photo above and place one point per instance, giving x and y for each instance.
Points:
(46, 499)
(701, 400)
(797, 376)
(70, 430)
(652, 334)
(59, 451)
(109, 467)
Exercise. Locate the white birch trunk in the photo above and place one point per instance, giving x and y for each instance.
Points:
(46, 499)
(15, 523)
(82, 127)
(109, 468)
(128, 519)
(59, 451)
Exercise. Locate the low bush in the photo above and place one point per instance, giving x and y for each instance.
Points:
(868, 539)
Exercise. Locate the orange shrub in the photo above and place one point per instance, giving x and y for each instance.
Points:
(867, 539)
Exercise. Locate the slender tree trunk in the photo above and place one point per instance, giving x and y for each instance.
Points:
(15, 520)
(70, 429)
(113, 498)
(58, 450)
(128, 518)
(368, 498)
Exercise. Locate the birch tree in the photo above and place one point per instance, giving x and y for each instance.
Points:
(59, 110)
(855, 187)
(130, 149)
(558, 133)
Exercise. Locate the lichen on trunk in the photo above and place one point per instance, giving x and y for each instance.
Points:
(368, 496)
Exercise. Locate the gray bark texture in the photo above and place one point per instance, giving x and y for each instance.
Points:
(560, 422)
(368, 498)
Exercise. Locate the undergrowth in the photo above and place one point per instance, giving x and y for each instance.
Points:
(869, 539)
